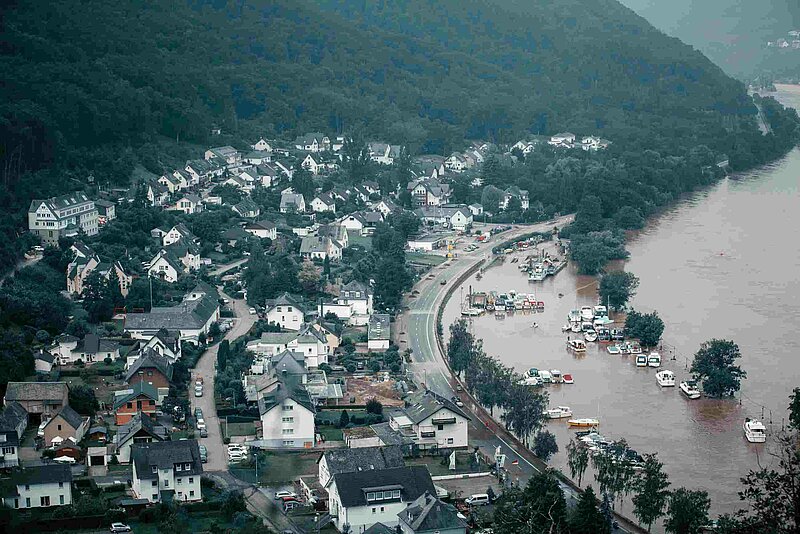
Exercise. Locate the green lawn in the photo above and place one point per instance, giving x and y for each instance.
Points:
(425, 259)
(330, 433)
(197, 522)
(238, 429)
(355, 238)
(464, 464)
(331, 417)
(277, 467)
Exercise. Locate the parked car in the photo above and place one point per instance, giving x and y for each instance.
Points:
(283, 493)
(236, 456)
(235, 447)
(203, 433)
(477, 499)
(251, 311)
(119, 527)
(289, 505)
(198, 391)
(203, 453)
(457, 402)
(198, 413)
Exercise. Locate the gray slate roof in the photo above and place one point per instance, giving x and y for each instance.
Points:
(11, 416)
(138, 423)
(32, 391)
(285, 391)
(285, 300)
(428, 513)
(164, 455)
(42, 474)
(69, 415)
(363, 459)
(151, 359)
(190, 314)
(379, 326)
(427, 404)
(412, 482)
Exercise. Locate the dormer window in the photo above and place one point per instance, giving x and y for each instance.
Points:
(154, 468)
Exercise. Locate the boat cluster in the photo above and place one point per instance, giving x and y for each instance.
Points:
(593, 323)
(617, 450)
(538, 270)
(535, 377)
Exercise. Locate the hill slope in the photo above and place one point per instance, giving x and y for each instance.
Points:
(98, 90)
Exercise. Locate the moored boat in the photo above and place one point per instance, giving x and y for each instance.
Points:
(587, 313)
(635, 348)
(690, 389)
(471, 312)
(641, 360)
(576, 328)
(568, 379)
(585, 422)
(545, 377)
(654, 360)
(754, 431)
(665, 378)
(613, 349)
(533, 371)
(590, 335)
(577, 345)
(556, 376)
(559, 412)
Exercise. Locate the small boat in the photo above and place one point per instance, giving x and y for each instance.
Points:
(558, 412)
(587, 326)
(568, 379)
(577, 345)
(539, 304)
(603, 335)
(613, 349)
(600, 311)
(518, 304)
(566, 328)
(654, 360)
(641, 361)
(534, 325)
(574, 316)
(617, 334)
(665, 378)
(490, 306)
(587, 313)
(624, 349)
(556, 376)
(471, 312)
(546, 377)
(531, 381)
(533, 371)
(754, 430)
(690, 389)
(590, 335)
(576, 328)
(635, 348)
(585, 422)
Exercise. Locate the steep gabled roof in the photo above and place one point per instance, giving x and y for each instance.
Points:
(150, 359)
(363, 459)
(138, 423)
(69, 415)
(33, 391)
(412, 481)
(12, 416)
(285, 300)
(165, 455)
(139, 388)
(428, 403)
(285, 390)
(42, 474)
(428, 513)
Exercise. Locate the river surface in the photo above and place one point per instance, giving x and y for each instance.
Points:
(721, 263)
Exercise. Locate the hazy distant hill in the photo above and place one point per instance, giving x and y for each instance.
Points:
(732, 33)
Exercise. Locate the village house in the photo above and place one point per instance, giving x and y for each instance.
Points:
(515, 192)
(39, 486)
(308, 342)
(163, 342)
(336, 232)
(257, 157)
(386, 207)
(353, 305)
(458, 217)
(317, 164)
(234, 236)
(141, 397)
(292, 203)
(262, 229)
(286, 312)
(191, 318)
(175, 259)
(262, 145)
(170, 182)
(140, 429)
(323, 202)
(106, 211)
(426, 242)
(562, 140)
(41, 399)
(337, 461)
(363, 222)
(384, 153)
(167, 471)
(287, 416)
(432, 421)
(189, 203)
(44, 361)
(177, 233)
(476, 209)
(268, 175)
(456, 162)
(203, 171)
(67, 424)
(238, 182)
(379, 332)
(62, 216)
(594, 143)
(13, 421)
(320, 248)
(86, 262)
(90, 349)
(429, 515)
(152, 368)
(313, 142)
(157, 194)
(360, 499)
(227, 154)
(247, 209)
(429, 192)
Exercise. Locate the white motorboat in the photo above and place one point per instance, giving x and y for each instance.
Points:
(654, 360)
(600, 311)
(754, 430)
(576, 328)
(566, 328)
(471, 312)
(635, 348)
(613, 349)
(559, 412)
(545, 377)
(641, 361)
(690, 389)
(556, 377)
(665, 378)
(574, 316)
(590, 335)
(531, 381)
(587, 313)
(577, 345)
(586, 326)
(568, 379)
(586, 422)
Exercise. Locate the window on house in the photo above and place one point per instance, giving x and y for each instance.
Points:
(289, 309)
(154, 468)
(180, 481)
(191, 480)
(191, 493)
(288, 407)
(27, 487)
(449, 441)
(8, 450)
(288, 431)
(130, 405)
(187, 467)
(288, 419)
(155, 496)
(288, 443)
(166, 483)
(373, 510)
(154, 483)
(27, 502)
(440, 427)
(60, 485)
(60, 499)
(383, 509)
(45, 501)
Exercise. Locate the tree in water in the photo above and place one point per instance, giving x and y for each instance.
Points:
(687, 511)
(617, 288)
(587, 518)
(652, 491)
(714, 365)
(577, 460)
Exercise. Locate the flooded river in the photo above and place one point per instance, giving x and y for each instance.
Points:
(720, 264)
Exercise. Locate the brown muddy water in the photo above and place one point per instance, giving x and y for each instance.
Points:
(723, 263)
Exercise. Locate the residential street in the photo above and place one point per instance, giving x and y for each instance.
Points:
(217, 458)
(222, 269)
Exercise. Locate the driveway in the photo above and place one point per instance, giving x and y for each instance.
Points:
(206, 367)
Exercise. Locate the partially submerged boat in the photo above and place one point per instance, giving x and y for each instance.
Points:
(665, 378)
(585, 422)
(568, 379)
(654, 360)
(577, 345)
(641, 360)
(754, 431)
(559, 412)
(590, 336)
(555, 376)
(690, 389)
(613, 349)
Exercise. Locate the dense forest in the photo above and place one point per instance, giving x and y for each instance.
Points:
(100, 91)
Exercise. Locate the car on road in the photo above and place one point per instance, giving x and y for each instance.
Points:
(457, 401)
(251, 311)
(237, 447)
(203, 433)
(198, 413)
(459, 388)
(198, 391)
(478, 499)
(203, 453)
(200, 425)
(120, 527)
(236, 456)
(443, 282)
(283, 493)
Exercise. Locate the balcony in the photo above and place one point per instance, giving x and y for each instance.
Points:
(427, 434)
(444, 421)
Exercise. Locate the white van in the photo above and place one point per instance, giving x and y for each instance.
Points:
(478, 499)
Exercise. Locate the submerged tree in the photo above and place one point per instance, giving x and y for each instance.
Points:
(577, 460)
(714, 365)
(652, 491)
(617, 288)
(544, 445)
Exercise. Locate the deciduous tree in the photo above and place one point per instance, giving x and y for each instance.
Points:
(714, 365)
(687, 511)
(617, 288)
(652, 491)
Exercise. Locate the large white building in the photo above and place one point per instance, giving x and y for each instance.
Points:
(286, 312)
(166, 471)
(308, 341)
(39, 486)
(431, 421)
(62, 216)
(287, 415)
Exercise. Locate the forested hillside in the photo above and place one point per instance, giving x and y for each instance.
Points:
(99, 90)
